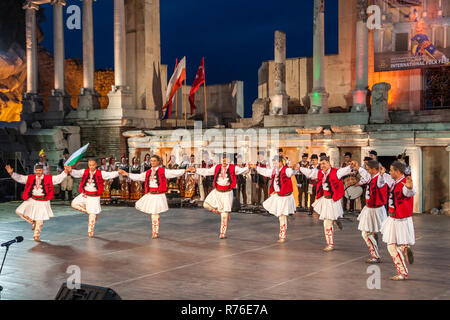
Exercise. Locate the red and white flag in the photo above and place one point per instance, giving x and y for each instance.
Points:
(176, 81)
(198, 81)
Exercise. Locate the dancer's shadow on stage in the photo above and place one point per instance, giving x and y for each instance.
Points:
(118, 245)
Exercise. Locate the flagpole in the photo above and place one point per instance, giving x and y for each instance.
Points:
(176, 104)
(185, 105)
(204, 91)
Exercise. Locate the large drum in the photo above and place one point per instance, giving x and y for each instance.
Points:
(353, 192)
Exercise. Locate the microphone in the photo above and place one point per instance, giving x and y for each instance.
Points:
(8, 243)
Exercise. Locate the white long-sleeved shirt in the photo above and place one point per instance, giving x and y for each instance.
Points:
(222, 179)
(313, 174)
(366, 178)
(268, 172)
(170, 174)
(392, 183)
(90, 185)
(38, 188)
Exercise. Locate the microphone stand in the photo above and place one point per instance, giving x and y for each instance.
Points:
(1, 268)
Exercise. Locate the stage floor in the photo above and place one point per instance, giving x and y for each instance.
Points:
(190, 262)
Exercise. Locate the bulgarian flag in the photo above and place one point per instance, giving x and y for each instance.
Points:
(76, 156)
(176, 82)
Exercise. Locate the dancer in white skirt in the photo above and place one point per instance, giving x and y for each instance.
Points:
(374, 212)
(37, 195)
(330, 190)
(91, 188)
(281, 202)
(220, 200)
(154, 201)
(398, 229)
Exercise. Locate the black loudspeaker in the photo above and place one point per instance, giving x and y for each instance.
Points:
(86, 292)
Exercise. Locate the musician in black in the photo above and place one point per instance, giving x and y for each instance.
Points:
(241, 183)
(349, 180)
(302, 183)
(67, 183)
(312, 183)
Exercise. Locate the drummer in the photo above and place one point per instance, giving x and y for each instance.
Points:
(349, 181)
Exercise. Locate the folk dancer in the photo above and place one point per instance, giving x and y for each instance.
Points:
(312, 183)
(67, 183)
(114, 183)
(207, 181)
(281, 202)
(261, 183)
(37, 194)
(398, 228)
(220, 200)
(330, 190)
(349, 181)
(91, 188)
(241, 183)
(154, 202)
(147, 164)
(136, 190)
(374, 213)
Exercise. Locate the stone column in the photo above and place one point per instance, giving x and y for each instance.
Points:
(319, 96)
(446, 206)
(279, 101)
(59, 99)
(119, 96)
(32, 100)
(362, 59)
(380, 107)
(88, 98)
(424, 10)
(333, 153)
(440, 9)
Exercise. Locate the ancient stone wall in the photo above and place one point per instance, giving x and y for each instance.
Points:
(435, 171)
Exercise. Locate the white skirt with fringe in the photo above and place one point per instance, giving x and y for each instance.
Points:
(221, 201)
(279, 206)
(152, 203)
(92, 204)
(35, 210)
(371, 219)
(398, 231)
(328, 208)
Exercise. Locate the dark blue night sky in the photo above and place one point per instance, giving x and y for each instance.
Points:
(234, 36)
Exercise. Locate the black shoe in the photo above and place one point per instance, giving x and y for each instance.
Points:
(339, 224)
(409, 255)
(62, 195)
(70, 195)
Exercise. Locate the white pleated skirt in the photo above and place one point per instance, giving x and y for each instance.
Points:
(35, 210)
(221, 201)
(152, 203)
(371, 219)
(328, 208)
(279, 206)
(92, 204)
(398, 231)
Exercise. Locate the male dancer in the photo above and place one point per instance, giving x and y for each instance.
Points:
(220, 200)
(37, 195)
(398, 228)
(312, 183)
(262, 183)
(91, 188)
(330, 190)
(68, 181)
(241, 183)
(281, 202)
(373, 214)
(154, 201)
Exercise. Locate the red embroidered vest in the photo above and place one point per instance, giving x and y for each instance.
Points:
(230, 173)
(378, 196)
(161, 180)
(285, 183)
(47, 187)
(337, 186)
(98, 180)
(403, 206)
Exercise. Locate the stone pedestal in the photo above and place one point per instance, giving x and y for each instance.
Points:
(380, 107)
(319, 102)
(120, 98)
(31, 103)
(359, 100)
(279, 104)
(59, 102)
(88, 100)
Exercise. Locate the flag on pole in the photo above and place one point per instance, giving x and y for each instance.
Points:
(176, 81)
(198, 81)
(76, 156)
(168, 105)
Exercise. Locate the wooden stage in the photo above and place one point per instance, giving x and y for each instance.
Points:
(190, 262)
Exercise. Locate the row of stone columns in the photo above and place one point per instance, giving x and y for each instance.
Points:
(59, 100)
